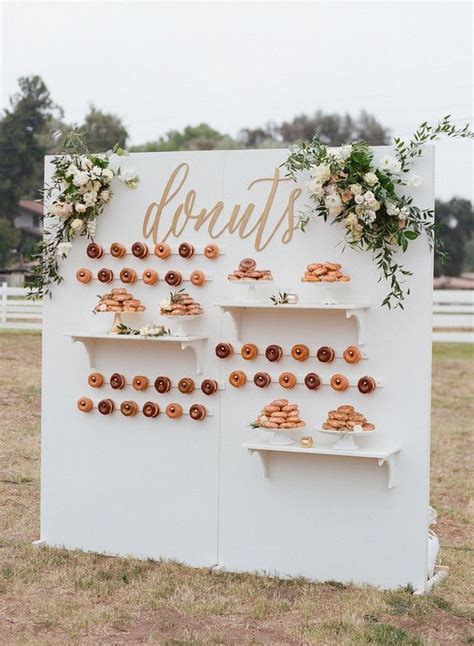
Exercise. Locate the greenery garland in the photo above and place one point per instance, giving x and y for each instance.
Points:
(347, 187)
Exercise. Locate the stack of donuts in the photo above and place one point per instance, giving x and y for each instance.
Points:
(182, 304)
(346, 418)
(280, 415)
(324, 272)
(119, 300)
(247, 270)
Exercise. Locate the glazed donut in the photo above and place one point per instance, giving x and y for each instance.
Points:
(140, 382)
(174, 410)
(128, 275)
(224, 350)
(339, 382)
(198, 278)
(105, 275)
(129, 408)
(85, 404)
(140, 250)
(366, 385)
(287, 380)
(94, 250)
(150, 276)
(106, 406)
(186, 385)
(173, 278)
(237, 378)
(325, 354)
(118, 250)
(262, 379)
(162, 385)
(249, 351)
(352, 354)
(84, 275)
(151, 409)
(247, 264)
(368, 427)
(197, 412)
(95, 379)
(211, 251)
(162, 250)
(186, 250)
(274, 352)
(117, 381)
(209, 386)
(312, 381)
(300, 352)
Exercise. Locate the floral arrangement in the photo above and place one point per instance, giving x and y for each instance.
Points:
(153, 330)
(279, 299)
(166, 304)
(367, 198)
(80, 190)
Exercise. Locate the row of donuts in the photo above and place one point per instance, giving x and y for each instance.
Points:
(129, 408)
(128, 275)
(162, 384)
(299, 352)
(140, 250)
(338, 382)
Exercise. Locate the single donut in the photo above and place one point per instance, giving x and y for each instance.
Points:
(224, 350)
(186, 385)
(352, 354)
(198, 278)
(174, 411)
(151, 409)
(129, 408)
(339, 382)
(162, 385)
(150, 276)
(249, 351)
(106, 406)
(95, 379)
(247, 264)
(262, 379)
(85, 404)
(173, 278)
(237, 378)
(140, 382)
(197, 412)
(128, 275)
(287, 380)
(139, 250)
(274, 352)
(117, 381)
(94, 250)
(368, 427)
(211, 251)
(186, 250)
(105, 275)
(118, 250)
(366, 385)
(162, 250)
(325, 354)
(84, 275)
(312, 381)
(209, 386)
(300, 352)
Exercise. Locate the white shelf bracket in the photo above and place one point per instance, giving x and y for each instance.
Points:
(264, 458)
(236, 316)
(198, 348)
(89, 345)
(391, 469)
(360, 316)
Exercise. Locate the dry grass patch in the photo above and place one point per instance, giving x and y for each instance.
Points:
(52, 596)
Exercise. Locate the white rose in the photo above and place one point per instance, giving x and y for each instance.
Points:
(144, 331)
(96, 171)
(343, 152)
(350, 220)
(76, 224)
(392, 209)
(356, 189)
(375, 205)
(86, 163)
(390, 164)
(90, 198)
(80, 208)
(359, 199)
(322, 173)
(72, 170)
(105, 196)
(165, 304)
(63, 249)
(315, 188)
(107, 173)
(369, 196)
(414, 181)
(80, 178)
(371, 179)
(359, 209)
(370, 216)
(130, 177)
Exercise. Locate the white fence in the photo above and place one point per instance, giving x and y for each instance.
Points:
(453, 313)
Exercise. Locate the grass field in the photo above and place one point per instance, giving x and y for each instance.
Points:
(51, 596)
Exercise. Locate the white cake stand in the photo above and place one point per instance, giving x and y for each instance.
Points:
(327, 293)
(253, 287)
(182, 328)
(345, 439)
(283, 437)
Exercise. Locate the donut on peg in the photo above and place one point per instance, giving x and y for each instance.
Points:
(300, 352)
(139, 382)
(106, 406)
(140, 250)
(366, 385)
(173, 278)
(339, 382)
(186, 385)
(117, 381)
(186, 250)
(151, 409)
(312, 381)
(174, 410)
(118, 250)
(198, 278)
(249, 351)
(211, 251)
(352, 354)
(209, 386)
(237, 378)
(150, 276)
(95, 380)
(197, 412)
(287, 380)
(105, 275)
(162, 385)
(94, 250)
(84, 275)
(129, 408)
(325, 354)
(162, 250)
(274, 352)
(224, 350)
(128, 275)
(262, 379)
(85, 404)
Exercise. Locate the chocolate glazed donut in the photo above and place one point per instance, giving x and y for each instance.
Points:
(186, 250)
(151, 409)
(274, 352)
(312, 381)
(197, 412)
(224, 350)
(325, 354)
(209, 386)
(139, 250)
(105, 275)
(262, 379)
(117, 381)
(173, 278)
(94, 250)
(162, 385)
(366, 385)
(186, 385)
(106, 406)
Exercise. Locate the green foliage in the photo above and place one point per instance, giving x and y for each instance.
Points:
(455, 219)
(201, 137)
(9, 238)
(101, 131)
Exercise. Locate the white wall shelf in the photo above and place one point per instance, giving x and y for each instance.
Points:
(89, 340)
(382, 455)
(357, 310)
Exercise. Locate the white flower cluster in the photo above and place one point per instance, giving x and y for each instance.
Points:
(166, 305)
(152, 330)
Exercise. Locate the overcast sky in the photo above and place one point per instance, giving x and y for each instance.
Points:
(162, 66)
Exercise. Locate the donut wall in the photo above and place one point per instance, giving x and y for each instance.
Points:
(290, 439)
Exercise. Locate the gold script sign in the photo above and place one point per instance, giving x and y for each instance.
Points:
(241, 221)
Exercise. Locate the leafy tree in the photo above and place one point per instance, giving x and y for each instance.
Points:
(103, 130)
(201, 137)
(457, 230)
(9, 237)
